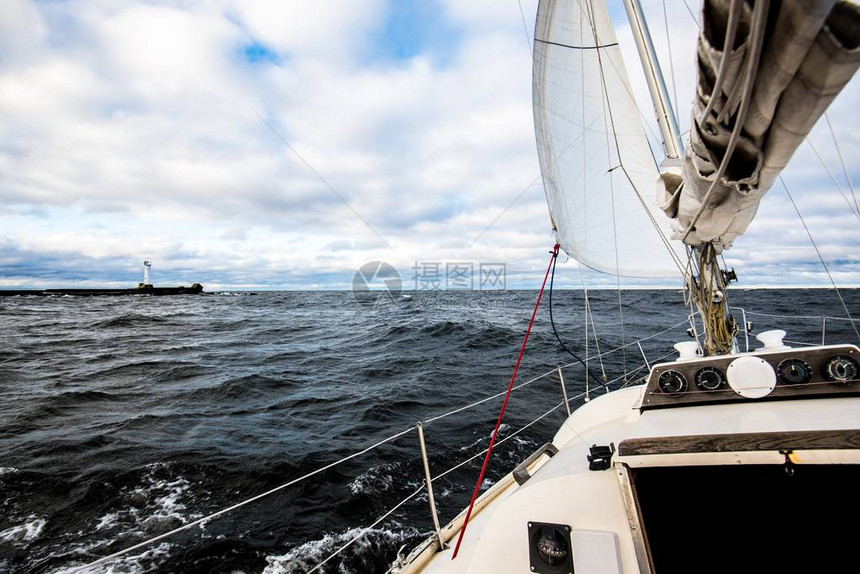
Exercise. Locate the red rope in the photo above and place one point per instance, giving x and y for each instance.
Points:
(504, 405)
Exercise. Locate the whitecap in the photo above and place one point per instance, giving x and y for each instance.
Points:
(25, 533)
(374, 480)
(138, 563)
(305, 556)
(153, 506)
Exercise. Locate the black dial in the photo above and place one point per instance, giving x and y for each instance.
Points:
(672, 383)
(794, 372)
(710, 379)
(841, 369)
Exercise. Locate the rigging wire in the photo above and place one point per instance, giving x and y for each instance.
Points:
(588, 13)
(820, 258)
(607, 353)
(838, 185)
(692, 15)
(368, 528)
(589, 317)
(555, 332)
(525, 26)
(671, 61)
(842, 161)
(610, 123)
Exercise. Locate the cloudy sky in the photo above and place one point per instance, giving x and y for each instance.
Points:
(250, 144)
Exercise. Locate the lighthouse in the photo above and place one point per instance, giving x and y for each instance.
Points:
(146, 267)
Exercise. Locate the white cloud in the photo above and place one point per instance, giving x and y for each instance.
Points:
(129, 130)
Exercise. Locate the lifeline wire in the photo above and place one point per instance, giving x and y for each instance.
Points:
(206, 519)
(504, 404)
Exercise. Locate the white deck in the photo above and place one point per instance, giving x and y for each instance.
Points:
(563, 490)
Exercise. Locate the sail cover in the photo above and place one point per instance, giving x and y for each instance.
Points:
(599, 174)
(806, 53)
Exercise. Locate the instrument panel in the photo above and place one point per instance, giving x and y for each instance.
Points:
(763, 375)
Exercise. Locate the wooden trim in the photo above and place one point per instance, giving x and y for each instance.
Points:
(794, 440)
(634, 520)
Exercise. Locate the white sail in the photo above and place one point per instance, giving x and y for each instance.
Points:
(598, 171)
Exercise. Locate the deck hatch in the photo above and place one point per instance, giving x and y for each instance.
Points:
(707, 518)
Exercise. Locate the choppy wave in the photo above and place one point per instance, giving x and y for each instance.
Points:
(125, 417)
(26, 532)
(154, 506)
(127, 320)
(363, 555)
(147, 560)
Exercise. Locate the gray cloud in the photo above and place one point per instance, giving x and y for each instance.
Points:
(129, 131)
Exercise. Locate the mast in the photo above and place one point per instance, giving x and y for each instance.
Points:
(708, 288)
(672, 144)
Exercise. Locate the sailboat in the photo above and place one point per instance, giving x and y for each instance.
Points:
(725, 458)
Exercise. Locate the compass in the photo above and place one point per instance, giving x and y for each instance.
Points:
(794, 372)
(710, 379)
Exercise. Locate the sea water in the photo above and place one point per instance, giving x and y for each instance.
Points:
(122, 418)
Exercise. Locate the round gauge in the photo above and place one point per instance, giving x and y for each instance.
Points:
(710, 379)
(841, 369)
(672, 383)
(794, 372)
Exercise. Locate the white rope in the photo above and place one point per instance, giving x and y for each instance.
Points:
(759, 25)
(802, 343)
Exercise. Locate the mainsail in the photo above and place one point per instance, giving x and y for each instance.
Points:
(767, 72)
(598, 170)
(768, 69)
